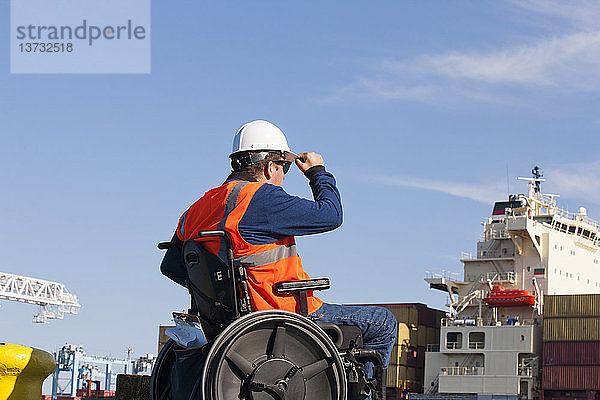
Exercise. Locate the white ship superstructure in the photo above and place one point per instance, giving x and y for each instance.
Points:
(491, 341)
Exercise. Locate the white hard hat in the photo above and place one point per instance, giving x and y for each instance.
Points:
(261, 135)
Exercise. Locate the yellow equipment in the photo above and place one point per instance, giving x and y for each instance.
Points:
(22, 371)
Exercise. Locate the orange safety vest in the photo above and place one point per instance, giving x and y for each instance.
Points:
(222, 208)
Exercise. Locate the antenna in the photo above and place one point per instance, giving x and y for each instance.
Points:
(507, 184)
(537, 174)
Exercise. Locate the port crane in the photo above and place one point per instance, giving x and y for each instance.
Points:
(53, 297)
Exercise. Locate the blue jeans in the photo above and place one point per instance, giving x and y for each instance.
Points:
(378, 326)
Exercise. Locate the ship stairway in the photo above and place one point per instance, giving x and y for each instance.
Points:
(539, 297)
(466, 300)
(456, 307)
(435, 385)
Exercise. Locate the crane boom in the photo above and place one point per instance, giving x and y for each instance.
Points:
(52, 297)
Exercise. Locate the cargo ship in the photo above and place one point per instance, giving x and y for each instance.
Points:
(491, 341)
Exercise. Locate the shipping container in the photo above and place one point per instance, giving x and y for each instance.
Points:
(572, 353)
(415, 357)
(569, 395)
(572, 329)
(411, 379)
(570, 377)
(420, 379)
(433, 335)
(393, 393)
(396, 355)
(421, 336)
(403, 335)
(576, 305)
(396, 375)
(412, 356)
(162, 337)
(413, 313)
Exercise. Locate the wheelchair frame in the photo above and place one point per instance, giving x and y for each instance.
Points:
(322, 353)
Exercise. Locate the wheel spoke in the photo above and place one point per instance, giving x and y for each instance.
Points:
(240, 363)
(277, 342)
(313, 369)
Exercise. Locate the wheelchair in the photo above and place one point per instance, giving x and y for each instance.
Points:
(259, 355)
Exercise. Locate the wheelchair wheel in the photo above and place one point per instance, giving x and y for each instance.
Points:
(160, 382)
(272, 354)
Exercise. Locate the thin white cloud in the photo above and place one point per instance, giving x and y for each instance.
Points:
(565, 62)
(581, 14)
(484, 193)
(576, 181)
(570, 62)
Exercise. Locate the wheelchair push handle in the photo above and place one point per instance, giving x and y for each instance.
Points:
(169, 245)
(205, 234)
(223, 234)
(201, 234)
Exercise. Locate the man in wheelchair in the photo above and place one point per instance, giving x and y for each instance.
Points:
(268, 336)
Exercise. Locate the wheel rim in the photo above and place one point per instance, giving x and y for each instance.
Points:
(160, 382)
(273, 354)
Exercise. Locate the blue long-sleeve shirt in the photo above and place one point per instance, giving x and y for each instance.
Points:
(274, 214)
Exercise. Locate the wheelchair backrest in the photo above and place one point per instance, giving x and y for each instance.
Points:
(210, 283)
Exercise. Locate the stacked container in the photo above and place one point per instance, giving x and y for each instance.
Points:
(162, 336)
(571, 353)
(418, 327)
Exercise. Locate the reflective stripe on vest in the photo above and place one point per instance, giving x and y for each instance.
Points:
(269, 256)
(229, 206)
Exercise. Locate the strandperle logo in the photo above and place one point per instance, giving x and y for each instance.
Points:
(85, 31)
(80, 36)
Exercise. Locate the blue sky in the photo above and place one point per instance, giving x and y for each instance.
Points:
(420, 109)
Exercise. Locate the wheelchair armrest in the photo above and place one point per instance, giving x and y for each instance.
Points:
(299, 286)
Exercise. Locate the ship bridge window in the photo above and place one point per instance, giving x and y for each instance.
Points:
(563, 228)
(579, 231)
(454, 340)
(586, 233)
(572, 229)
(476, 340)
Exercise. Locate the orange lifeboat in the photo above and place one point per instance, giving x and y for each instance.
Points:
(500, 297)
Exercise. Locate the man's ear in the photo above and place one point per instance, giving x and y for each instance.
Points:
(267, 171)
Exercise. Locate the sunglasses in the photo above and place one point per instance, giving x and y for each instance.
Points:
(285, 164)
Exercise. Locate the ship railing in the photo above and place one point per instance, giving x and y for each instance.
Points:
(495, 234)
(461, 371)
(457, 322)
(433, 348)
(453, 276)
(525, 322)
(464, 255)
(508, 276)
(576, 217)
(453, 345)
(476, 345)
(526, 371)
